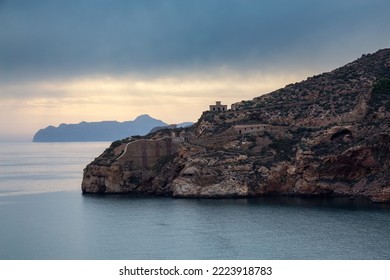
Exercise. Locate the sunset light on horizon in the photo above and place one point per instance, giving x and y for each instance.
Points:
(74, 61)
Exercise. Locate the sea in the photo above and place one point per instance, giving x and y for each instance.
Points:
(44, 216)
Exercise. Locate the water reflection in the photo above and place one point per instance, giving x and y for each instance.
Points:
(253, 228)
(69, 225)
(279, 201)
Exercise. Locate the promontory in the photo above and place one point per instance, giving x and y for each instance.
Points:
(326, 136)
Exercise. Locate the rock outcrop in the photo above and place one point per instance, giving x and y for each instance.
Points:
(326, 136)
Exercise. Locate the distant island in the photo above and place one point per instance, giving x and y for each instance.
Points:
(101, 131)
(326, 136)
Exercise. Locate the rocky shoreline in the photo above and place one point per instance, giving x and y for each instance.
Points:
(326, 136)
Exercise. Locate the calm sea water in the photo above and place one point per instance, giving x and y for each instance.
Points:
(43, 215)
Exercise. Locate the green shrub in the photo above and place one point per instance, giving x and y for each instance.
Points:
(116, 143)
(382, 86)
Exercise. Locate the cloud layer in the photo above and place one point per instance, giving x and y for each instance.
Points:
(74, 60)
(52, 37)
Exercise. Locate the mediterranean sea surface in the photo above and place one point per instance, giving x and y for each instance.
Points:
(43, 215)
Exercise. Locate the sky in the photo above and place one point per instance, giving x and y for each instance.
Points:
(67, 61)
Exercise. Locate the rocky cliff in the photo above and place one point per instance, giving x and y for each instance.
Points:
(326, 136)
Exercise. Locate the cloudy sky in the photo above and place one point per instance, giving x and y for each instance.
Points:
(67, 61)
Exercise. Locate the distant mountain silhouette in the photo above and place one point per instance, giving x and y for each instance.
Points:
(97, 131)
(172, 126)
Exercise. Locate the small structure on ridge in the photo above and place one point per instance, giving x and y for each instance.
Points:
(218, 107)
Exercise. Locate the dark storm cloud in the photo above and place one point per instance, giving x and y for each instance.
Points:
(81, 37)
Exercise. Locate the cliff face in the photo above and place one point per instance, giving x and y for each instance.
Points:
(326, 136)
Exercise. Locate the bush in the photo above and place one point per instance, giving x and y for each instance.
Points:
(115, 144)
(285, 148)
(382, 86)
(222, 117)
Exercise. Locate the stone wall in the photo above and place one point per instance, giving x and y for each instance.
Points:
(145, 153)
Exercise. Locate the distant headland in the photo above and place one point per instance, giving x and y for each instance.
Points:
(101, 131)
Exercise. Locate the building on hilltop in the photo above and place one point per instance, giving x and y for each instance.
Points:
(218, 107)
(181, 136)
(260, 127)
(242, 129)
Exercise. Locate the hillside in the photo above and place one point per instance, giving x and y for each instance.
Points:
(326, 136)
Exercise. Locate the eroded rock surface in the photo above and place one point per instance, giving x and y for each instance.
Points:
(326, 136)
